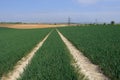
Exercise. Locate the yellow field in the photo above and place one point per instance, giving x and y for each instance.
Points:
(31, 26)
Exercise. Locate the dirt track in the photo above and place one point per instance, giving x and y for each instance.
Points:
(31, 26)
(21, 65)
(84, 66)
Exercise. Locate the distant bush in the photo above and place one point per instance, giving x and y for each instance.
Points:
(112, 22)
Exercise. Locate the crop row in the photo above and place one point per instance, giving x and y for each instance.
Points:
(15, 44)
(100, 44)
(51, 62)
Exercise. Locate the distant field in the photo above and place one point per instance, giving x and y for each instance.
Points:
(31, 26)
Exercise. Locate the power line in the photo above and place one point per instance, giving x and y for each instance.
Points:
(69, 20)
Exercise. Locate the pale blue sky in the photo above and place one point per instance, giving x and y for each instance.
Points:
(59, 10)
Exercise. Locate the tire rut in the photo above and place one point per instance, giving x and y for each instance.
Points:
(82, 63)
(18, 69)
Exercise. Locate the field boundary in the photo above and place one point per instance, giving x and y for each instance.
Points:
(82, 63)
(18, 69)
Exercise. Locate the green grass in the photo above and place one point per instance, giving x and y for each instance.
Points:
(15, 44)
(51, 62)
(101, 44)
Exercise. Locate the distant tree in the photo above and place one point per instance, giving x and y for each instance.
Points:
(104, 23)
(112, 22)
(55, 23)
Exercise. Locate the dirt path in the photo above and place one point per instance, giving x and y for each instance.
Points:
(21, 65)
(89, 70)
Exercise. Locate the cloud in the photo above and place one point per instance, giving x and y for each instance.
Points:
(88, 2)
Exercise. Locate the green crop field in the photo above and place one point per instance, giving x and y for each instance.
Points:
(15, 44)
(53, 61)
(101, 44)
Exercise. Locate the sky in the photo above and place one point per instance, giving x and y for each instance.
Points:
(42, 11)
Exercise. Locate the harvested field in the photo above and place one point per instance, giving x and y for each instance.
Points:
(31, 26)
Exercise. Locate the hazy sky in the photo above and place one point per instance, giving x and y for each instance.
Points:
(60, 10)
